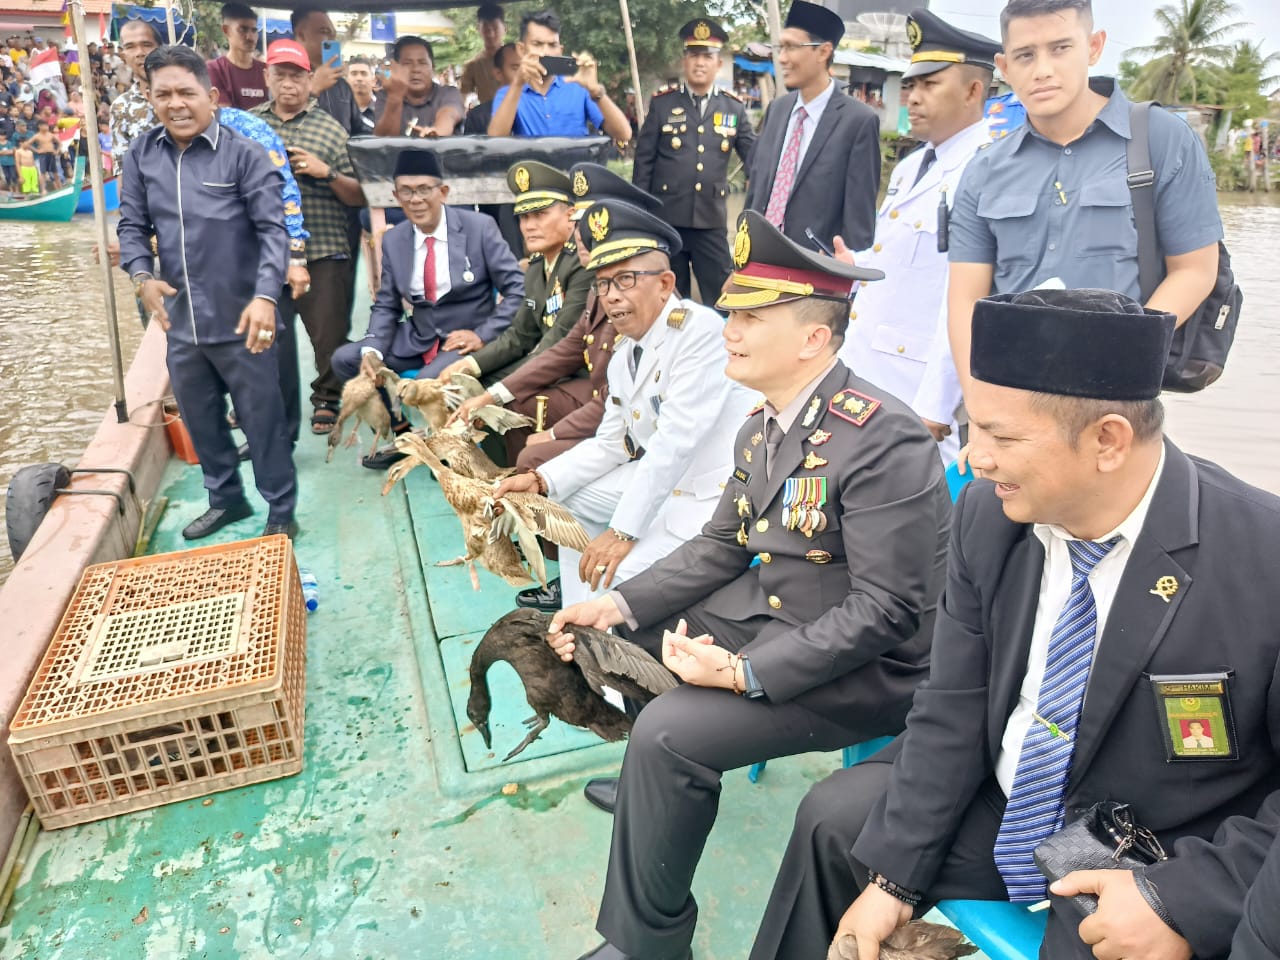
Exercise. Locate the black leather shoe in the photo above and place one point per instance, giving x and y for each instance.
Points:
(602, 792)
(242, 451)
(535, 598)
(289, 529)
(214, 519)
(382, 459)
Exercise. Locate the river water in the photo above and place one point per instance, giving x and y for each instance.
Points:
(55, 373)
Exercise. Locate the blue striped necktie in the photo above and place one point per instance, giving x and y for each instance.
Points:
(1035, 807)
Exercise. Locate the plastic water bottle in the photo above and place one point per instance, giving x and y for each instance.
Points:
(310, 589)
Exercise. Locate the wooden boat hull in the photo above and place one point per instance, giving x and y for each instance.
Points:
(57, 206)
(110, 192)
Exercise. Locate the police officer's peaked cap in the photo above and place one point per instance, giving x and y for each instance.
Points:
(936, 45)
(817, 21)
(614, 230)
(537, 186)
(415, 162)
(703, 34)
(771, 268)
(591, 183)
(1077, 343)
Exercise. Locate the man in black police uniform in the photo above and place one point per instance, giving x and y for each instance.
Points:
(826, 639)
(683, 153)
(1090, 577)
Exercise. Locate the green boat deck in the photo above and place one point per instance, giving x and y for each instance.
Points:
(396, 840)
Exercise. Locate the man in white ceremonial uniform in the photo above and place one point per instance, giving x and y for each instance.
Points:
(651, 476)
(895, 325)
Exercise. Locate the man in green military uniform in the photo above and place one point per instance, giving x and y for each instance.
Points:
(683, 153)
(556, 283)
(838, 490)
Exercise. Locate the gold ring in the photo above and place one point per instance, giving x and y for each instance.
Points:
(302, 165)
(265, 334)
(601, 568)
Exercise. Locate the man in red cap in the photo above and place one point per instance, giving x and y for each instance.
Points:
(318, 157)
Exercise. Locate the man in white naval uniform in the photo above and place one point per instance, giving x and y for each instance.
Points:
(653, 473)
(895, 324)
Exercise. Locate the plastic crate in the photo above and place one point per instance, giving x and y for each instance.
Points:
(169, 677)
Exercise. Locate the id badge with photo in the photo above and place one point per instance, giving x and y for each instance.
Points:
(1195, 716)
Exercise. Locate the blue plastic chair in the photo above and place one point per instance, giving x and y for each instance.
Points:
(1003, 931)
(855, 754)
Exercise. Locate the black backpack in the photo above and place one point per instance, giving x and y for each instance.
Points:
(1200, 346)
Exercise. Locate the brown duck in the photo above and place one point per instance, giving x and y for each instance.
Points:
(361, 399)
(918, 940)
(572, 692)
(488, 524)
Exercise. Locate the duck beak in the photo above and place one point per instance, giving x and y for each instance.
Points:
(483, 730)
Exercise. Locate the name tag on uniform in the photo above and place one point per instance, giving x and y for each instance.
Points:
(742, 476)
(1195, 716)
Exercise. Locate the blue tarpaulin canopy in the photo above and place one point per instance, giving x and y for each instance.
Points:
(276, 29)
(752, 66)
(154, 16)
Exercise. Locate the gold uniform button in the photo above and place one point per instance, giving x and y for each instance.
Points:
(919, 224)
(775, 603)
(762, 524)
(853, 314)
(699, 167)
(590, 338)
(675, 493)
(877, 248)
(594, 394)
(635, 414)
(893, 214)
(701, 148)
(698, 187)
(701, 129)
(901, 348)
(766, 558)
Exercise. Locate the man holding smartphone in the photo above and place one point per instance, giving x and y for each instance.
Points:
(312, 28)
(413, 104)
(554, 98)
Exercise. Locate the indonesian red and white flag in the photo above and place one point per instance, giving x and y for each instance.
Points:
(45, 66)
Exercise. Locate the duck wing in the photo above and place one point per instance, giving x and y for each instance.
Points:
(464, 457)
(608, 660)
(546, 518)
(500, 419)
(463, 386)
(501, 559)
(921, 940)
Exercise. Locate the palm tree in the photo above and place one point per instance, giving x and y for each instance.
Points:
(1194, 38)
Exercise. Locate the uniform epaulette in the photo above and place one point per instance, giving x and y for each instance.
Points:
(570, 246)
(853, 406)
(669, 88)
(730, 94)
(535, 258)
(675, 319)
(756, 409)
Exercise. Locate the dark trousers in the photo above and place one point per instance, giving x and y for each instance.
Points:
(1258, 937)
(345, 362)
(327, 319)
(562, 400)
(201, 377)
(669, 790)
(709, 251)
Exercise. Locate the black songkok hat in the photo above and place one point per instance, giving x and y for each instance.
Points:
(936, 45)
(593, 183)
(770, 268)
(1077, 343)
(817, 21)
(617, 231)
(414, 162)
(703, 34)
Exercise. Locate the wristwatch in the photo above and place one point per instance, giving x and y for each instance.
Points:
(331, 176)
(138, 280)
(619, 535)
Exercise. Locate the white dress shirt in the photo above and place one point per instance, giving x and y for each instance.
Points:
(813, 113)
(441, 234)
(1055, 590)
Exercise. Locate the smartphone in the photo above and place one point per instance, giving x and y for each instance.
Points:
(331, 53)
(559, 66)
(808, 232)
(389, 51)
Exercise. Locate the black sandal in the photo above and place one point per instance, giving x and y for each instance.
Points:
(323, 420)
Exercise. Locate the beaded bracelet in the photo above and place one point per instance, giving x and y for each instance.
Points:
(909, 897)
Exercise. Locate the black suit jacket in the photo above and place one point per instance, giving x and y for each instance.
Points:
(839, 177)
(1217, 536)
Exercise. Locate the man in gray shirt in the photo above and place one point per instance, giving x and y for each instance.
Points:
(1050, 202)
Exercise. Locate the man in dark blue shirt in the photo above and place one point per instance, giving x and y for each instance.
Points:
(211, 197)
(553, 106)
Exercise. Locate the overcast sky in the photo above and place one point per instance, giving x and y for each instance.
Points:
(1128, 24)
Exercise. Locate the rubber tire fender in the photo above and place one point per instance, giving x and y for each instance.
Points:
(31, 492)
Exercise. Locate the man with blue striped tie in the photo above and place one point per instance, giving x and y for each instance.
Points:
(1105, 591)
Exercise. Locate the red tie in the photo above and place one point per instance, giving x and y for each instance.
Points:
(429, 272)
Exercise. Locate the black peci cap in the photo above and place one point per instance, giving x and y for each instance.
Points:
(772, 268)
(1077, 343)
(936, 45)
(703, 34)
(817, 21)
(537, 186)
(413, 162)
(617, 231)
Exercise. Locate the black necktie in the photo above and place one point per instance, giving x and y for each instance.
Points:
(635, 359)
(772, 441)
(926, 162)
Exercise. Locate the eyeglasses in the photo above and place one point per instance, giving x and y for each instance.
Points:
(405, 194)
(793, 47)
(622, 281)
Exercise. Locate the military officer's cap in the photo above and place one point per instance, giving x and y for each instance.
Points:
(703, 34)
(1077, 343)
(537, 186)
(414, 162)
(592, 183)
(616, 231)
(817, 21)
(936, 45)
(771, 268)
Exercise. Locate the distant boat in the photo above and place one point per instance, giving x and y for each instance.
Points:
(110, 191)
(57, 205)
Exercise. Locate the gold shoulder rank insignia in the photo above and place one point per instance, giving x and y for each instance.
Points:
(675, 319)
(855, 407)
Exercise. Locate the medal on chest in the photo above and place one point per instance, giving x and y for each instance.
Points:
(802, 501)
(554, 302)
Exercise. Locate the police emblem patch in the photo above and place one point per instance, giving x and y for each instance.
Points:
(741, 246)
(702, 31)
(914, 35)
